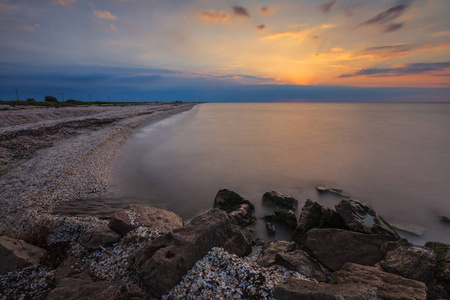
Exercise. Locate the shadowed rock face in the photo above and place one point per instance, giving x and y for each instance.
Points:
(240, 210)
(390, 286)
(267, 256)
(17, 254)
(99, 236)
(294, 289)
(163, 262)
(360, 217)
(300, 261)
(335, 247)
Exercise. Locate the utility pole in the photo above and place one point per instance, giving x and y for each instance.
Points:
(62, 95)
(17, 94)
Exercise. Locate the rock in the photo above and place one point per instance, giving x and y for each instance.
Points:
(444, 219)
(314, 215)
(390, 286)
(300, 261)
(286, 217)
(243, 215)
(270, 228)
(123, 222)
(335, 247)
(99, 236)
(162, 263)
(411, 262)
(294, 289)
(79, 289)
(280, 200)
(240, 210)
(16, 254)
(267, 255)
(360, 217)
(228, 200)
(73, 267)
(409, 228)
(333, 190)
(442, 270)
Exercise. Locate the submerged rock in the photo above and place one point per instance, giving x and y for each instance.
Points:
(286, 217)
(138, 215)
(162, 263)
(335, 247)
(280, 199)
(333, 190)
(270, 228)
(16, 254)
(361, 217)
(390, 286)
(294, 289)
(298, 260)
(409, 228)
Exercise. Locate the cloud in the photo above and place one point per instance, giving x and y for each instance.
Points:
(327, 7)
(265, 10)
(387, 15)
(103, 14)
(211, 15)
(113, 27)
(393, 27)
(241, 11)
(297, 33)
(27, 28)
(60, 2)
(410, 69)
(261, 27)
(388, 51)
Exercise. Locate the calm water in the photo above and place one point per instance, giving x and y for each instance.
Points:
(395, 157)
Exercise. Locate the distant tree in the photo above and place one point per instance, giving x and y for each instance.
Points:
(50, 99)
(31, 100)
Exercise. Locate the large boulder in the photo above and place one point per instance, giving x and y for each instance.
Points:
(335, 247)
(16, 254)
(162, 263)
(137, 215)
(314, 215)
(390, 286)
(280, 199)
(361, 217)
(80, 289)
(442, 270)
(267, 255)
(410, 261)
(298, 260)
(98, 237)
(294, 289)
(240, 210)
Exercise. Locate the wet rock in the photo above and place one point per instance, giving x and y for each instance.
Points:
(332, 190)
(79, 289)
(411, 262)
(294, 289)
(17, 254)
(240, 210)
(286, 217)
(360, 217)
(267, 256)
(335, 247)
(243, 215)
(162, 263)
(444, 219)
(280, 200)
(94, 238)
(314, 215)
(390, 286)
(300, 261)
(442, 270)
(270, 228)
(138, 215)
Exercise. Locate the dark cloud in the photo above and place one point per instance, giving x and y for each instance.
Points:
(393, 27)
(265, 10)
(389, 50)
(261, 27)
(241, 11)
(326, 7)
(418, 68)
(387, 15)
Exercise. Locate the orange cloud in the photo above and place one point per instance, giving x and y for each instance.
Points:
(211, 15)
(103, 14)
(60, 2)
(113, 27)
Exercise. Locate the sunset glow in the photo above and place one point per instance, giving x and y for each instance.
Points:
(183, 43)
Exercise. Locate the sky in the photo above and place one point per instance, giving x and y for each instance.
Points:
(229, 51)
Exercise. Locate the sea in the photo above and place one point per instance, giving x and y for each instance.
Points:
(393, 156)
